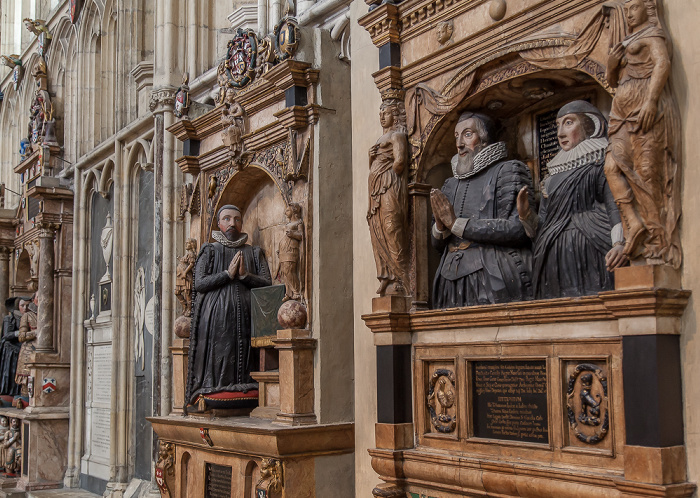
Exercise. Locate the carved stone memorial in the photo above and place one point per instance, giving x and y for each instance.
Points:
(219, 356)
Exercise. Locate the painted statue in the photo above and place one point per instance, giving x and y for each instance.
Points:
(27, 336)
(486, 254)
(183, 277)
(388, 198)
(232, 119)
(642, 164)
(577, 233)
(289, 252)
(220, 356)
(10, 345)
(12, 448)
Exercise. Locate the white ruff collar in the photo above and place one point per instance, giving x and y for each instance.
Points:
(484, 158)
(221, 239)
(588, 151)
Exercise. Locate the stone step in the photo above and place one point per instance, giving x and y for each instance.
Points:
(60, 493)
(12, 493)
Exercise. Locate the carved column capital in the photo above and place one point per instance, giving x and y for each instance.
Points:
(5, 252)
(162, 99)
(47, 230)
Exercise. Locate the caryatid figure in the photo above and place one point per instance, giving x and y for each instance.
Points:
(388, 198)
(642, 161)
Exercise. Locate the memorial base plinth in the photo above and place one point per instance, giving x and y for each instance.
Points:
(44, 443)
(554, 399)
(231, 453)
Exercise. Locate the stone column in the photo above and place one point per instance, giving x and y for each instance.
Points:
(44, 340)
(4, 275)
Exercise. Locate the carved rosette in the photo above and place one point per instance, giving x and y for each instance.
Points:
(271, 476)
(587, 403)
(442, 396)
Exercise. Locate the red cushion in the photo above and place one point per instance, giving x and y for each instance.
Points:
(228, 395)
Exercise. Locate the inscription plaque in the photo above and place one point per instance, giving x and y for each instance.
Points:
(218, 482)
(102, 375)
(547, 141)
(510, 400)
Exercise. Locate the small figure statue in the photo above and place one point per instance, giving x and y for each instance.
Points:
(27, 336)
(4, 427)
(590, 407)
(642, 162)
(220, 356)
(12, 448)
(485, 250)
(10, 346)
(232, 119)
(222, 80)
(388, 197)
(140, 316)
(290, 252)
(577, 233)
(183, 277)
(182, 97)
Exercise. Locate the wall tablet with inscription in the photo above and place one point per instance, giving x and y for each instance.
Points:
(218, 481)
(509, 400)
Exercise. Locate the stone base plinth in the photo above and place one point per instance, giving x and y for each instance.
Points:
(179, 350)
(555, 398)
(242, 447)
(44, 446)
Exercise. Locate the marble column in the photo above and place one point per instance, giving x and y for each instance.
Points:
(4, 275)
(44, 340)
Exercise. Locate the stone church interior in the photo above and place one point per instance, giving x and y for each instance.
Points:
(349, 248)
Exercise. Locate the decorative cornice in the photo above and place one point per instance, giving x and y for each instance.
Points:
(609, 305)
(382, 24)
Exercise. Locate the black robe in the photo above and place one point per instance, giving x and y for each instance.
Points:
(495, 268)
(9, 353)
(220, 352)
(573, 237)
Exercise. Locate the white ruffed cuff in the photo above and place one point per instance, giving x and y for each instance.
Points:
(617, 234)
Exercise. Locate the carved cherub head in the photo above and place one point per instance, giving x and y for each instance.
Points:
(444, 31)
(191, 244)
(293, 211)
(230, 96)
(4, 423)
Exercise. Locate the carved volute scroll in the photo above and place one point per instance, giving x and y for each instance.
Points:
(387, 215)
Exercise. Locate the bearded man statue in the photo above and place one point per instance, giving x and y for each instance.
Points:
(486, 255)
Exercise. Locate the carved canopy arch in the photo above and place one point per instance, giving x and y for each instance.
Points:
(240, 188)
(473, 81)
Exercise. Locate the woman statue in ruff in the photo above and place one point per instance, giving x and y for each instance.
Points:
(641, 165)
(578, 235)
(388, 199)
